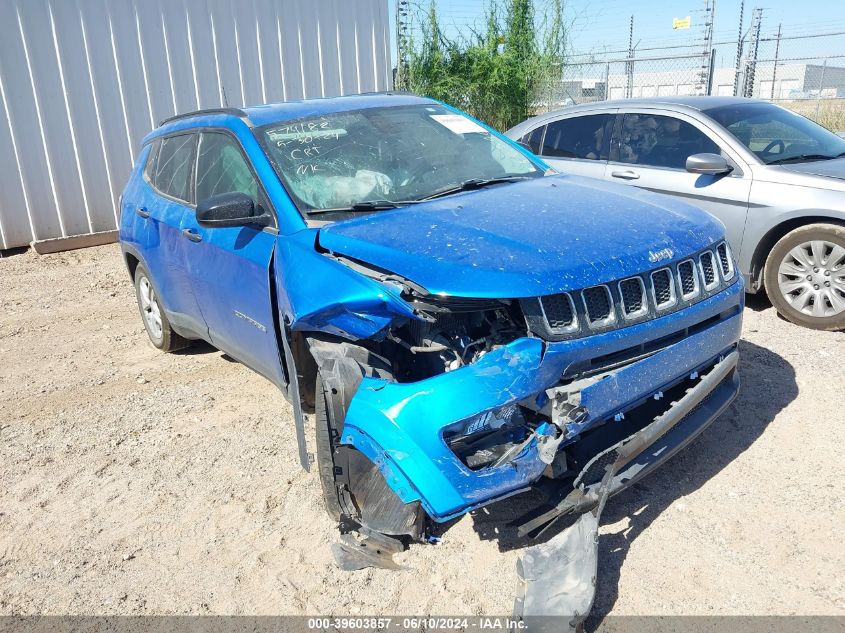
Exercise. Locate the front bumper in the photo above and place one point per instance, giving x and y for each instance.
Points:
(398, 426)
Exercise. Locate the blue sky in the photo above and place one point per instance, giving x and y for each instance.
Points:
(599, 25)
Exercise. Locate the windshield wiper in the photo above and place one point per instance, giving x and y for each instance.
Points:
(473, 183)
(368, 205)
(804, 157)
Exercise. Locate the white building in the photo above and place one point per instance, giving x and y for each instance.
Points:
(82, 82)
(792, 81)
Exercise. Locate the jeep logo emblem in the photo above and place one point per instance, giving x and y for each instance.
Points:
(657, 256)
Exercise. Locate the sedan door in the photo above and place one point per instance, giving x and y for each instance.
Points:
(650, 149)
(578, 144)
(230, 266)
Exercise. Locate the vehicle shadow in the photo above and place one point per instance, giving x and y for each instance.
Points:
(196, 348)
(767, 386)
(202, 347)
(758, 302)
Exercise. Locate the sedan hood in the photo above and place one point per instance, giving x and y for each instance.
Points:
(834, 168)
(529, 238)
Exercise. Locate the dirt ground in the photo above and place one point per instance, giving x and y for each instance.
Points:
(134, 482)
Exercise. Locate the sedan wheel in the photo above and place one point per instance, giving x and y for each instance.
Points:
(805, 276)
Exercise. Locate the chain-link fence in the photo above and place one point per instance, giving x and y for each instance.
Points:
(806, 74)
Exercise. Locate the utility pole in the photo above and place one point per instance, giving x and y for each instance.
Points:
(705, 78)
(753, 47)
(739, 41)
(775, 67)
(629, 65)
(400, 80)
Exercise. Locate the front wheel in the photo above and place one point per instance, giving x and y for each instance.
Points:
(805, 276)
(354, 491)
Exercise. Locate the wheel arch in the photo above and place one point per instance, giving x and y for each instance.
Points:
(774, 235)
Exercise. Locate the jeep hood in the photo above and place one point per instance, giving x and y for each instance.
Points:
(529, 238)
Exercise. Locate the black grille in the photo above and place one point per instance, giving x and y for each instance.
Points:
(558, 310)
(632, 295)
(618, 303)
(662, 281)
(724, 259)
(597, 300)
(707, 268)
(686, 273)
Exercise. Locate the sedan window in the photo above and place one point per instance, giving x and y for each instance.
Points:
(777, 135)
(534, 138)
(660, 141)
(582, 137)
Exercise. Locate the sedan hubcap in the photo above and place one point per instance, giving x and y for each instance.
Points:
(811, 277)
(149, 307)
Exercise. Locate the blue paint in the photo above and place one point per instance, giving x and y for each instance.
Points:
(525, 239)
(407, 419)
(535, 237)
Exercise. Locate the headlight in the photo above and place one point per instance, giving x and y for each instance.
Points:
(480, 440)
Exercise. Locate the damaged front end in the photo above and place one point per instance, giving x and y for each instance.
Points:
(468, 405)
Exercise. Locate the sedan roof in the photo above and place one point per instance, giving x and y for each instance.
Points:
(701, 103)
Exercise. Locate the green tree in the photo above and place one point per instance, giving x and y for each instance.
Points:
(498, 73)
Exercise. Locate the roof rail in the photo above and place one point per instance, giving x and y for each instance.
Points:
(232, 111)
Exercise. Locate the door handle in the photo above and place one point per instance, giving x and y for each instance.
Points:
(625, 175)
(192, 235)
(141, 211)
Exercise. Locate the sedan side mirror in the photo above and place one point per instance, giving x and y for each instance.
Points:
(231, 209)
(708, 164)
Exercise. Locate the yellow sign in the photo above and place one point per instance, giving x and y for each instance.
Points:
(681, 23)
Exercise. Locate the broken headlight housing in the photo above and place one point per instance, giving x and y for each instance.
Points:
(489, 438)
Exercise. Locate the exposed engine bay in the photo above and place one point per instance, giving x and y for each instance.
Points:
(452, 334)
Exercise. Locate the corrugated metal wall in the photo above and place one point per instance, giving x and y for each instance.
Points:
(82, 81)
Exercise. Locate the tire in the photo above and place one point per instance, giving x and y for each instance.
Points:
(805, 276)
(153, 316)
(351, 503)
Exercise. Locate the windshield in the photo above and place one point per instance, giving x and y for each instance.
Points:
(777, 135)
(387, 155)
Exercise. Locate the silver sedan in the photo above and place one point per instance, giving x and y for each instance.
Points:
(775, 178)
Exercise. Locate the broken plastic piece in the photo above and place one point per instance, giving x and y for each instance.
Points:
(373, 550)
(558, 578)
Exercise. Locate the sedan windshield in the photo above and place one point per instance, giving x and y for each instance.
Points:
(381, 158)
(776, 135)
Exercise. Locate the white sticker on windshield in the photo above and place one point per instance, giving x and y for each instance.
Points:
(458, 124)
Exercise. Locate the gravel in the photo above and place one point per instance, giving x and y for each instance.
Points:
(135, 482)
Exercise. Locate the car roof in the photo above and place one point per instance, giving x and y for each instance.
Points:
(699, 103)
(258, 115)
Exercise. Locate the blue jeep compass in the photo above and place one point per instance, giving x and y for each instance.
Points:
(462, 322)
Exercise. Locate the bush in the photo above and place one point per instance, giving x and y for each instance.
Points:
(495, 74)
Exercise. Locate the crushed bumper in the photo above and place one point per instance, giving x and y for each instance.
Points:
(399, 426)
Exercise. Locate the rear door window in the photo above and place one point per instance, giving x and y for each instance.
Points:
(534, 138)
(150, 166)
(655, 140)
(173, 164)
(584, 137)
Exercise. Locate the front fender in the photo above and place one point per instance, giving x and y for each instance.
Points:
(320, 294)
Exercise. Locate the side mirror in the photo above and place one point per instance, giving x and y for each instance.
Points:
(230, 209)
(708, 164)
